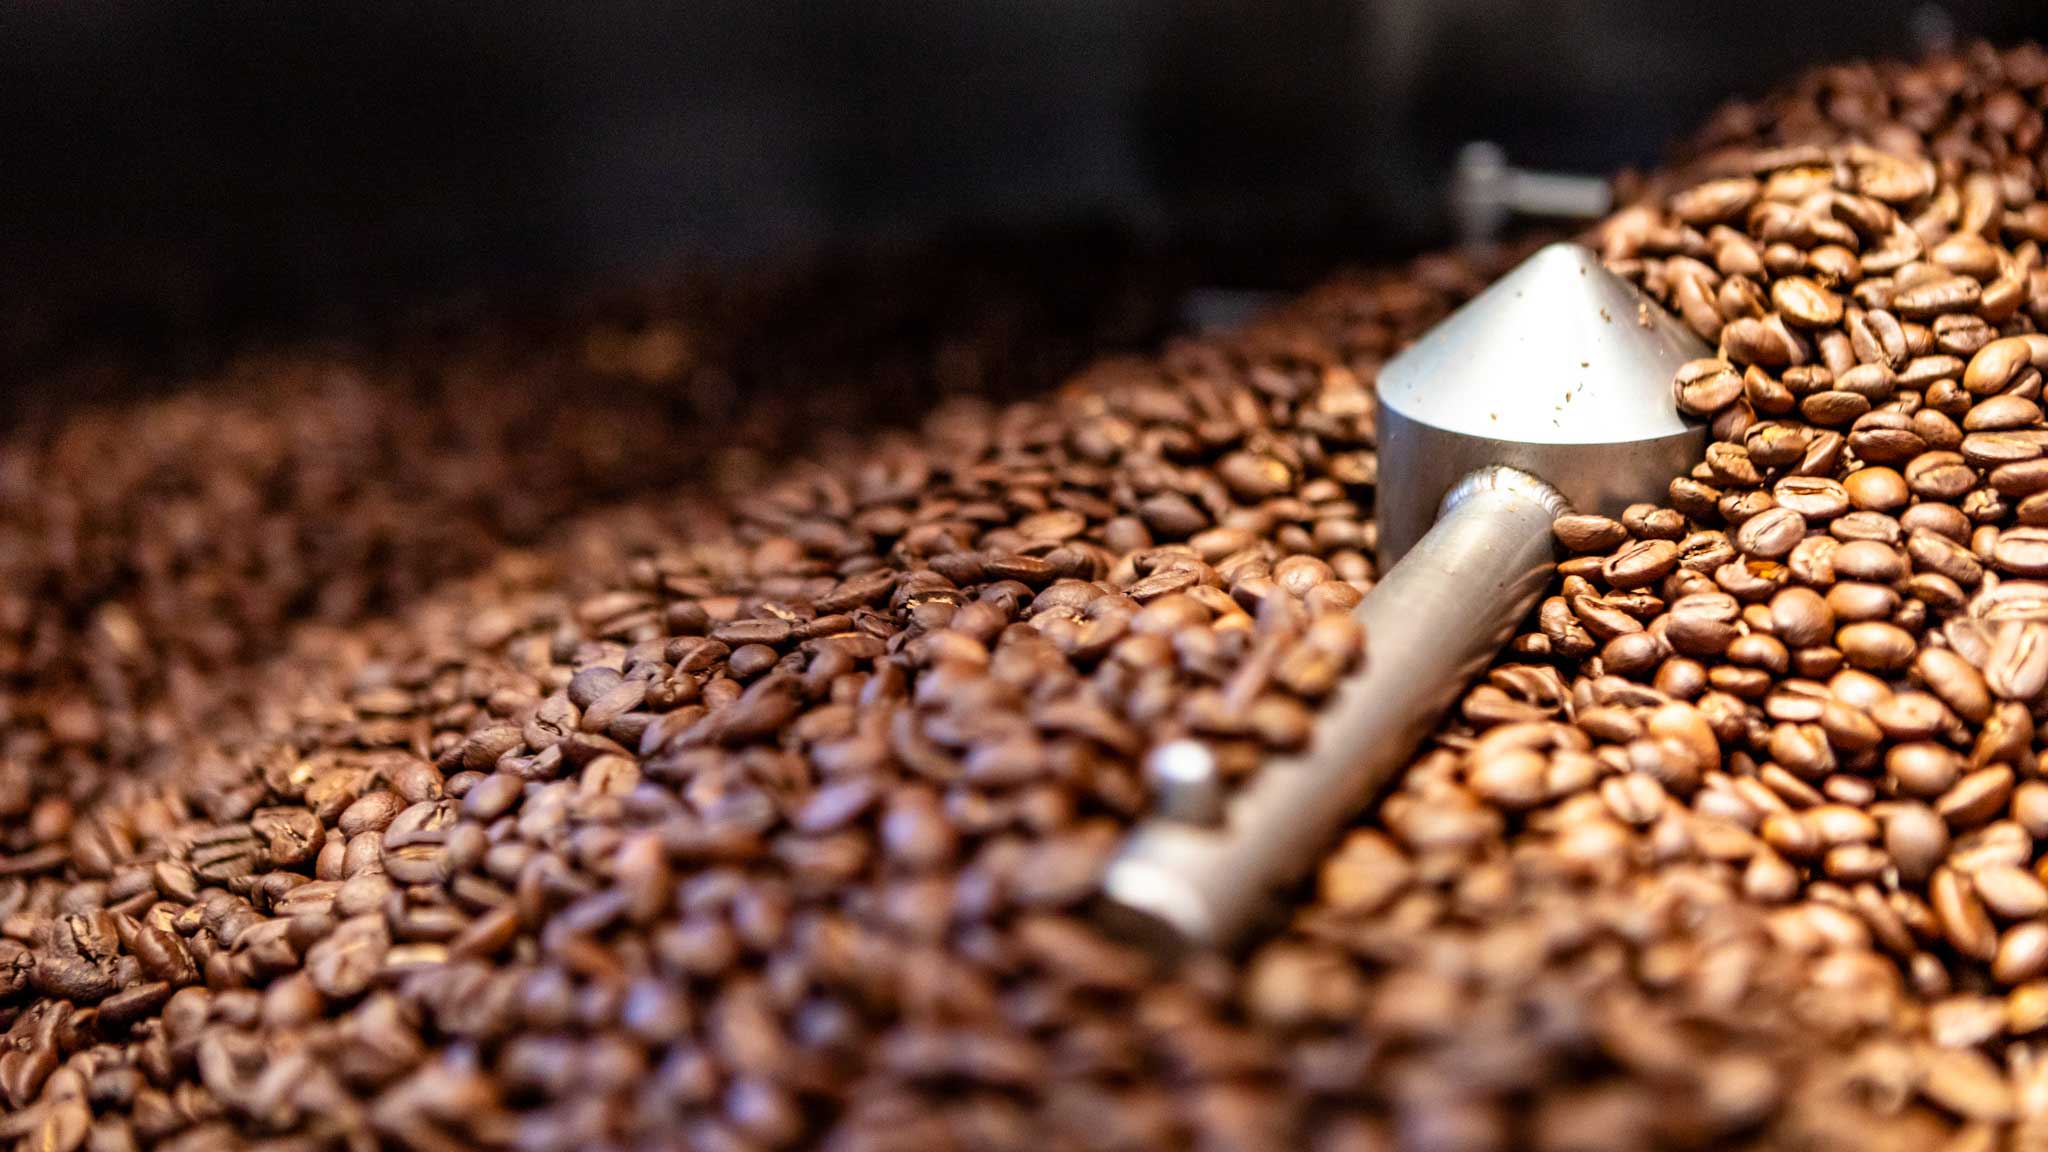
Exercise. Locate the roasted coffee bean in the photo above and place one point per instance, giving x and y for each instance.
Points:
(1805, 303)
(1642, 563)
(1878, 488)
(1705, 387)
(1875, 646)
(2016, 667)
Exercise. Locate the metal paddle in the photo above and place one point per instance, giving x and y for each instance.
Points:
(1550, 391)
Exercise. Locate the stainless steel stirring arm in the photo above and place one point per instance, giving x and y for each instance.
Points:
(1551, 390)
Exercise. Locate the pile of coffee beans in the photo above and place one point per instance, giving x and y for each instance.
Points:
(771, 821)
(152, 550)
(1867, 518)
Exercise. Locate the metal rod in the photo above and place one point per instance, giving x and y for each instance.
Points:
(1487, 193)
(1434, 621)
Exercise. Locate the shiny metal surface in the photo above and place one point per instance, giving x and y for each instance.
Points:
(1185, 782)
(1433, 622)
(1561, 369)
(1552, 390)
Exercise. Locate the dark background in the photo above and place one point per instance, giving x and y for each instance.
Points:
(177, 176)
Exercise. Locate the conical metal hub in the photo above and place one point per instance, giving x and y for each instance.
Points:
(1561, 369)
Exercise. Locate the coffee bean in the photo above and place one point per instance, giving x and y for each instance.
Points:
(1805, 303)
(1976, 797)
(1875, 646)
(1916, 838)
(1765, 342)
(1705, 387)
(369, 814)
(1947, 294)
(1513, 780)
(291, 836)
(1364, 873)
(1996, 365)
(587, 685)
(1868, 560)
(915, 833)
(736, 633)
(1962, 916)
(343, 965)
(1964, 1082)
(1644, 562)
(1772, 534)
(2022, 551)
(1703, 623)
(2016, 668)
(2011, 893)
(163, 956)
(1879, 488)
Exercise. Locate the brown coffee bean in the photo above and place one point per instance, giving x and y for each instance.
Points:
(1806, 303)
(2022, 551)
(343, 965)
(1875, 646)
(1772, 534)
(1964, 1082)
(163, 956)
(1996, 365)
(2016, 668)
(1714, 200)
(1513, 779)
(1800, 617)
(1963, 918)
(370, 814)
(1877, 488)
(1977, 797)
(1868, 560)
(769, 631)
(1876, 337)
(1948, 294)
(1916, 839)
(2011, 893)
(1764, 342)
(1705, 387)
(1254, 477)
(1945, 557)
(915, 833)
(1641, 563)
(1703, 623)
(2024, 1009)
(1588, 534)
(2030, 806)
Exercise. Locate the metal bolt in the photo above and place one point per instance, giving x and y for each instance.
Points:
(1186, 785)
